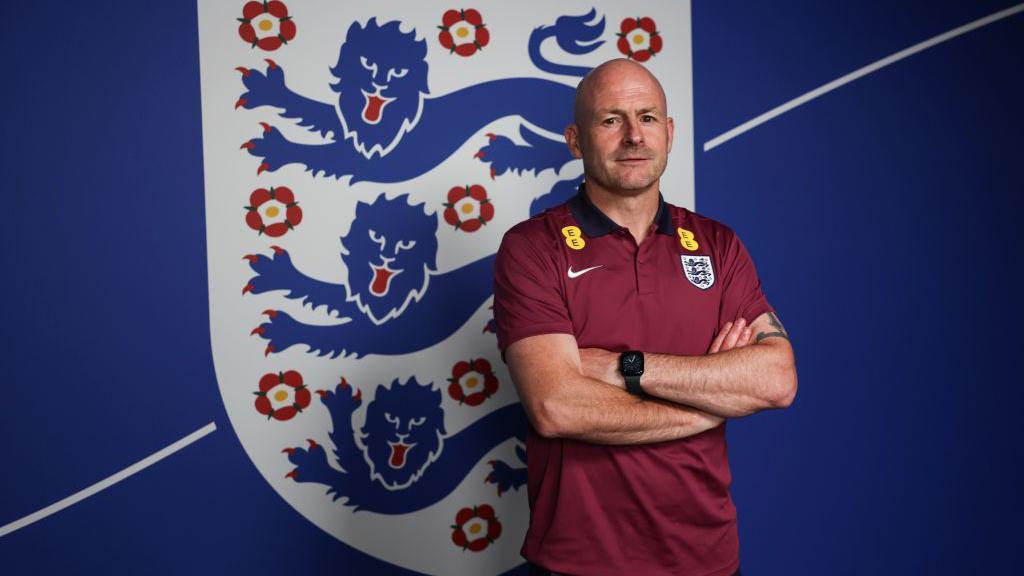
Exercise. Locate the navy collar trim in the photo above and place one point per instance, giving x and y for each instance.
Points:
(595, 223)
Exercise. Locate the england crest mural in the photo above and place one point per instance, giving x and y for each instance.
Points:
(362, 161)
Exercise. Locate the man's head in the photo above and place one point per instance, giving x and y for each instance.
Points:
(622, 130)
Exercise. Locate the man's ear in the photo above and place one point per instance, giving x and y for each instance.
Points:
(671, 133)
(572, 138)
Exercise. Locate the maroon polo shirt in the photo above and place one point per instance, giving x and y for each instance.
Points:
(647, 509)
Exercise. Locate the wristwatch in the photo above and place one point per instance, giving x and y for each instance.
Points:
(631, 365)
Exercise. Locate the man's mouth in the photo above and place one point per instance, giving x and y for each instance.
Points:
(373, 109)
(398, 453)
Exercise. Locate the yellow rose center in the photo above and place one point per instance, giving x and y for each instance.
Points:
(474, 529)
(266, 25)
(467, 208)
(280, 395)
(638, 39)
(462, 32)
(471, 382)
(273, 211)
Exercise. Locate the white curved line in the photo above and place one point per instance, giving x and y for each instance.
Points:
(108, 481)
(859, 73)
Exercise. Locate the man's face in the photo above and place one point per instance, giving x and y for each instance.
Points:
(623, 133)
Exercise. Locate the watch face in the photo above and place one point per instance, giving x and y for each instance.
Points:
(632, 364)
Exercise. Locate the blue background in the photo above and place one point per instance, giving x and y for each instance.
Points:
(881, 216)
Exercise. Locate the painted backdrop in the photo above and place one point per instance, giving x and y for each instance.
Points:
(880, 211)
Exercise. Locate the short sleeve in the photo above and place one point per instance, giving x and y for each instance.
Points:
(741, 288)
(528, 295)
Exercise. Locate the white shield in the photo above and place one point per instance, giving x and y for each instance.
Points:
(698, 270)
(362, 161)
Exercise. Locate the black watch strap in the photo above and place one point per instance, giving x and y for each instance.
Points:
(633, 385)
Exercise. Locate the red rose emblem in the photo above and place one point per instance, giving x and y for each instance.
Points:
(282, 395)
(468, 208)
(273, 212)
(639, 38)
(463, 32)
(472, 382)
(475, 528)
(266, 24)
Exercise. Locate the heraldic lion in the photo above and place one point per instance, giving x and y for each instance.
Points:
(386, 126)
(394, 302)
(408, 462)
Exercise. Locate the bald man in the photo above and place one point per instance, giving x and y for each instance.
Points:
(632, 329)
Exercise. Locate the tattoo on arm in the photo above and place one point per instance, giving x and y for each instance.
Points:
(780, 332)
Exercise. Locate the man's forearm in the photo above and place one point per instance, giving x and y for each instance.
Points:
(747, 369)
(734, 383)
(593, 411)
(562, 402)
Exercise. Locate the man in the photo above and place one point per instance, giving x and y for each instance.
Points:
(632, 330)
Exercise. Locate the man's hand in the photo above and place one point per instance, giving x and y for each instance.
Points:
(732, 335)
(603, 365)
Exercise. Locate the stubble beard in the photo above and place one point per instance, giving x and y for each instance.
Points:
(625, 180)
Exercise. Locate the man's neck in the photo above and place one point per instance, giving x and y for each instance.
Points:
(633, 210)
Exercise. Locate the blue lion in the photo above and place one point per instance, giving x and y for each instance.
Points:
(386, 127)
(407, 461)
(394, 302)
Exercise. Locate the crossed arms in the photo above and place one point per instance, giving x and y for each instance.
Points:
(572, 393)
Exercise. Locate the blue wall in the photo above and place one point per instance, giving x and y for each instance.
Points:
(882, 218)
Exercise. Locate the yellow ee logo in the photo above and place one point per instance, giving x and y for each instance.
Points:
(573, 237)
(686, 239)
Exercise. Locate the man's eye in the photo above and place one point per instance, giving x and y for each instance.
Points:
(648, 118)
(609, 121)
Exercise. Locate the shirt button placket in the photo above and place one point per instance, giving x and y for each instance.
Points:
(634, 251)
(646, 275)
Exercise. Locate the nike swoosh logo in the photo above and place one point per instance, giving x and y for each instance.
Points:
(575, 274)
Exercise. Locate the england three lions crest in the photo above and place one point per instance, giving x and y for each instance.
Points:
(698, 270)
(362, 163)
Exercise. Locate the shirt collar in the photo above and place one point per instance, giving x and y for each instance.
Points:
(594, 222)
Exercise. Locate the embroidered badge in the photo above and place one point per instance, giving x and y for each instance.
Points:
(686, 239)
(698, 270)
(573, 237)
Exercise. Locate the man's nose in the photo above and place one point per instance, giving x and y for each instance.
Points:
(634, 136)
